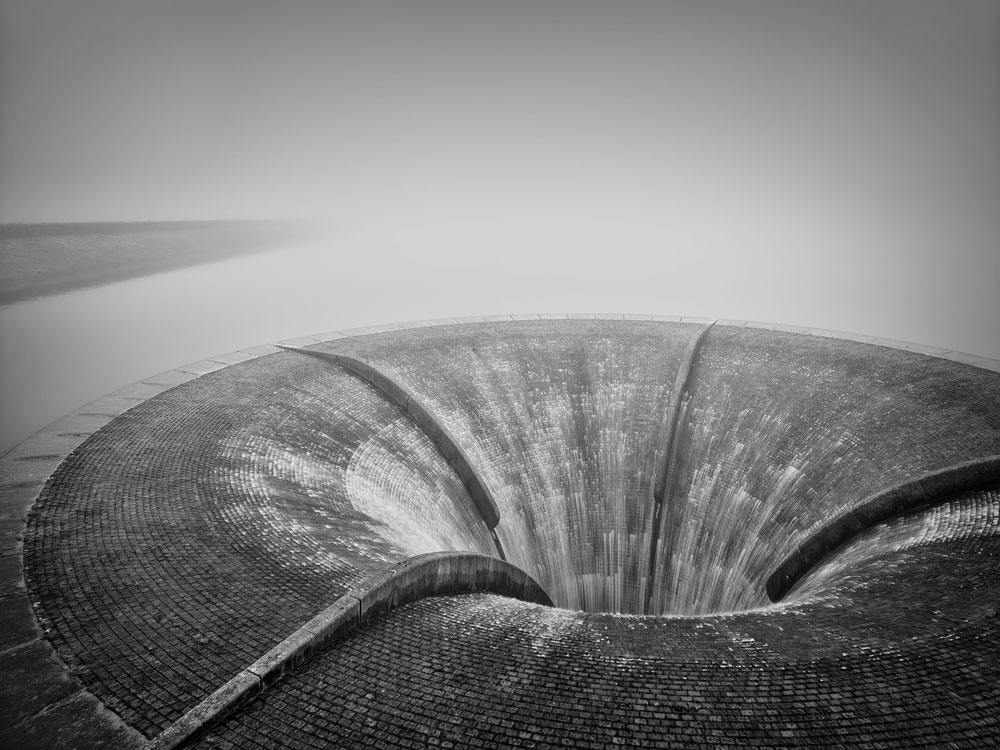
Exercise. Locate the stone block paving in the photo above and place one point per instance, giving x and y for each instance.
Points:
(174, 548)
(895, 645)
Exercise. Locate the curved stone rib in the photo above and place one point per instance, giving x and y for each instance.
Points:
(432, 574)
(928, 488)
(439, 435)
(669, 446)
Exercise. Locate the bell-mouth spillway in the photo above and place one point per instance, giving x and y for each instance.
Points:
(680, 486)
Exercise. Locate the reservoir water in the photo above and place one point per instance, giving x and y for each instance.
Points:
(60, 352)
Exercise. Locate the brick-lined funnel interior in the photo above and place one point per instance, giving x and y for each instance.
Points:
(200, 528)
(571, 432)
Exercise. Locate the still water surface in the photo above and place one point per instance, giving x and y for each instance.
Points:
(61, 352)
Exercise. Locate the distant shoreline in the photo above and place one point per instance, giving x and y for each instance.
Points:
(61, 228)
(39, 260)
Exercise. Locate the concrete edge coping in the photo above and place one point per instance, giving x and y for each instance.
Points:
(673, 407)
(976, 360)
(431, 574)
(669, 449)
(926, 489)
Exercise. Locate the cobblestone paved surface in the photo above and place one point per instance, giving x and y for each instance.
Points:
(207, 524)
(882, 649)
(200, 528)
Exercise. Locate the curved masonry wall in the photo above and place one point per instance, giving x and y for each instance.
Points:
(592, 412)
(877, 509)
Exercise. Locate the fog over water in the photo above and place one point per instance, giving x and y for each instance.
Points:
(826, 164)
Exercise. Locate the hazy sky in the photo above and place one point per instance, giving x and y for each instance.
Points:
(824, 163)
